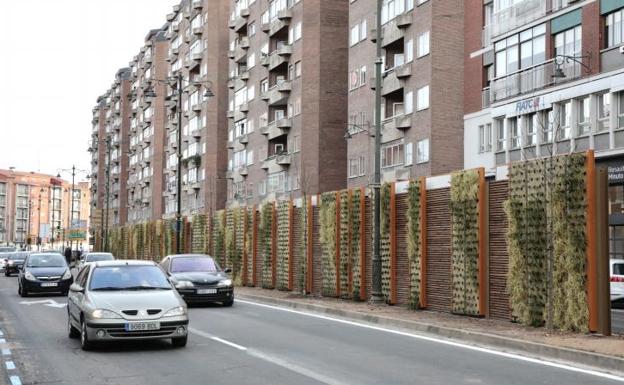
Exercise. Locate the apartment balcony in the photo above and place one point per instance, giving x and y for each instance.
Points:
(231, 54)
(241, 113)
(196, 185)
(278, 25)
(277, 163)
(276, 128)
(244, 139)
(198, 31)
(241, 20)
(531, 79)
(240, 54)
(278, 94)
(171, 16)
(279, 57)
(196, 134)
(265, 27)
(232, 24)
(391, 83)
(197, 107)
(516, 15)
(198, 4)
(243, 171)
(404, 20)
(230, 114)
(392, 31)
(393, 127)
(229, 174)
(264, 60)
(399, 173)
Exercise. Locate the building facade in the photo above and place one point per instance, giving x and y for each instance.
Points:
(545, 77)
(422, 78)
(34, 205)
(288, 105)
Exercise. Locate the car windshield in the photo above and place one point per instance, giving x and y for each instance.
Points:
(99, 257)
(46, 260)
(194, 264)
(128, 277)
(618, 269)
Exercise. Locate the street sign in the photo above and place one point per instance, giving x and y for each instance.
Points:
(77, 234)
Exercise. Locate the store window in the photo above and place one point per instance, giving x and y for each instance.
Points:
(603, 113)
(584, 123)
(614, 33)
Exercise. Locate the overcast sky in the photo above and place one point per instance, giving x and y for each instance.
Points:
(57, 57)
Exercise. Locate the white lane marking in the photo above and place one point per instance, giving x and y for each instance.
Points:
(2, 341)
(540, 361)
(215, 338)
(295, 368)
(271, 359)
(6, 352)
(15, 380)
(618, 310)
(46, 302)
(10, 365)
(1, 333)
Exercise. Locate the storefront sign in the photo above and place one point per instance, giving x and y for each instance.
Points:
(529, 105)
(616, 174)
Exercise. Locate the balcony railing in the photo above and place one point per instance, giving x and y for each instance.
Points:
(516, 15)
(485, 97)
(531, 79)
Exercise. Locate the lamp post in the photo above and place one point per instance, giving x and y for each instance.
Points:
(73, 171)
(177, 84)
(39, 220)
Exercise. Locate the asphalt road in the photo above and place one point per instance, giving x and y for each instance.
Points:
(254, 344)
(617, 321)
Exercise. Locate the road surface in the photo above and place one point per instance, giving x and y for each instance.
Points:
(254, 344)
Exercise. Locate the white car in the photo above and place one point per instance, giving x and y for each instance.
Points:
(616, 271)
(94, 257)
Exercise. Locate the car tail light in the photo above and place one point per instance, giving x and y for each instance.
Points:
(617, 279)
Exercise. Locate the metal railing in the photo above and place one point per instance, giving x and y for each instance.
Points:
(516, 15)
(531, 79)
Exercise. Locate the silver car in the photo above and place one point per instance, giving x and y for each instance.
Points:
(94, 257)
(125, 300)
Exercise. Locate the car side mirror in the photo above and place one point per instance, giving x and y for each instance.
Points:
(227, 270)
(76, 288)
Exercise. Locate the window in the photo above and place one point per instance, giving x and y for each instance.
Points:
(485, 138)
(358, 33)
(357, 78)
(547, 128)
(501, 137)
(604, 109)
(564, 120)
(423, 44)
(409, 51)
(514, 133)
(357, 166)
(393, 8)
(392, 155)
(422, 99)
(251, 60)
(614, 33)
(530, 138)
(569, 43)
(522, 50)
(298, 69)
(584, 123)
(409, 102)
(252, 28)
(621, 109)
(422, 151)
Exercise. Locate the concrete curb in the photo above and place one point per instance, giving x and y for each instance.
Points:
(591, 360)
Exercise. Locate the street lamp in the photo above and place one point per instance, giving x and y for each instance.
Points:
(559, 60)
(177, 85)
(39, 219)
(73, 171)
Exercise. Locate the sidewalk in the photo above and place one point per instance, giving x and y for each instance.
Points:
(605, 353)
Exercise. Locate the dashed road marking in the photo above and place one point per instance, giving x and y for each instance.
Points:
(10, 365)
(6, 352)
(15, 380)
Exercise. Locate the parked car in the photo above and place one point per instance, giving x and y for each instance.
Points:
(14, 262)
(125, 300)
(616, 272)
(94, 257)
(44, 273)
(199, 279)
(4, 256)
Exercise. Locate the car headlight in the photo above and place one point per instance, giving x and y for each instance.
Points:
(67, 275)
(11, 262)
(225, 283)
(184, 285)
(176, 312)
(28, 275)
(103, 313)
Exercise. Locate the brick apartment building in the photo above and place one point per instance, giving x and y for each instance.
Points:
(36, 205)
(547, 77)
(288, 104)
(421, 89)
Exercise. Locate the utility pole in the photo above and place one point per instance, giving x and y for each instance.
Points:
(71, 212)
(39, 221)
(376, 294)
(179, 170)
(108, 162)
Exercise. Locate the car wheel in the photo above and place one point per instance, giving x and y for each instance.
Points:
(179, 342)
(85, 344)
(228, 303)
(23, 292)
(7, 274)
(72, 331)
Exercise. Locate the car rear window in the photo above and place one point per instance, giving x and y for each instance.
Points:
(618, 269)
(99, 257)
(128, 277)
(193, 264)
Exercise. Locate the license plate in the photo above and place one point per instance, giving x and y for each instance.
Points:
(207, 291)
(49, 284)
(142, 326)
